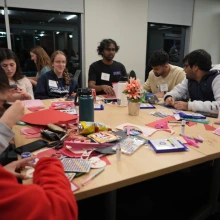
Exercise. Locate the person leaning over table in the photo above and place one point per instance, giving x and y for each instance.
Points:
(163, 76)
(23, 89)
(56, 83)
(103, 73)
(201, 86)
(50, 197)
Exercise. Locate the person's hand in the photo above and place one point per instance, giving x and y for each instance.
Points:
(19, 164)
(169, 101)
(22, 92)
(73, 94)
(108, 90)
(13, 114)
(159, 94)
(181, 105)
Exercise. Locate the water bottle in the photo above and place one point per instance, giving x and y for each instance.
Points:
(86, 104)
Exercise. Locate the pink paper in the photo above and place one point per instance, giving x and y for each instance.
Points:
(33, 103)
(191, 142)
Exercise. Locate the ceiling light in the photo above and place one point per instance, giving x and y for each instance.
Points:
(51, 19)
(70, 35)
(41, 35)
(164, 28)
(42, 32)
(3, 12)
(57, 32)
(71, 16)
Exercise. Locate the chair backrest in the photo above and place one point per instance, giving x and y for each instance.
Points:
(76, 75)
(132, 74)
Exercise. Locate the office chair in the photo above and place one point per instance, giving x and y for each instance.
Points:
(132, 74)
(76, 75)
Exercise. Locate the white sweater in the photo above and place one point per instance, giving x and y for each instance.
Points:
(181, 91)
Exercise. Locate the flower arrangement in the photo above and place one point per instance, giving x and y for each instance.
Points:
(133, 90)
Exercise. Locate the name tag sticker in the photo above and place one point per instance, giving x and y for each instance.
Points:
(105, 76)
(52, 83)
(163, 87)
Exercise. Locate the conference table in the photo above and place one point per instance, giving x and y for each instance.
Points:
(145, 164)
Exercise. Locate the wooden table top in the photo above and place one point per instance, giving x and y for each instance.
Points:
(144, 163)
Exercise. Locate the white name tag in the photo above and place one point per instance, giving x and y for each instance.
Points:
(105, 76)
(52, 83)
(163, 87)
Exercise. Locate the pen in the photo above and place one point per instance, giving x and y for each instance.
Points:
(92, 176)
(171, 143)
(192, 138)
(174, 121)
(128, 130)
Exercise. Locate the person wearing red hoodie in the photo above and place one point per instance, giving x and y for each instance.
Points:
(50, 197)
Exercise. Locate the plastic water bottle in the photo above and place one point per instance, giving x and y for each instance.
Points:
(86, 104)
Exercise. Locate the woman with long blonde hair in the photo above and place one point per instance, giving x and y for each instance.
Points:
(56, 83)
(42, 62)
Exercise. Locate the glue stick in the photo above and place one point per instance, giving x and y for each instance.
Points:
(183, 127)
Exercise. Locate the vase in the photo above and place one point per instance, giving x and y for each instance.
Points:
(133, 108)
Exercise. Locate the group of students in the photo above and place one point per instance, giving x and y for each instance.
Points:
(194, 87)
(52, 79)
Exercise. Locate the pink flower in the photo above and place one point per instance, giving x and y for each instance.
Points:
(132, 89)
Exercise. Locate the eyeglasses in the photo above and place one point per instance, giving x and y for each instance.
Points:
(110, 49)
(185, 65)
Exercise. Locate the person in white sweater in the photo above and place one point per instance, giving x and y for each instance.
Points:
(21, 87)
(201, 86)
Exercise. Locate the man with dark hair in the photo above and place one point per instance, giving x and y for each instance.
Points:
(104, 72)
(201, 85)
(163, 76)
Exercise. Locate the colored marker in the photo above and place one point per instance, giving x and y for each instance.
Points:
(92, 176)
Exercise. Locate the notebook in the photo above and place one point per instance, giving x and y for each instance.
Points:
(167, 145)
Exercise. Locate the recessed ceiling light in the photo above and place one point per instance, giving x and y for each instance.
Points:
(69, 17)
(57, 32)
(70, 35)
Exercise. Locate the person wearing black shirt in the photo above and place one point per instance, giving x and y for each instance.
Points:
(104, 72)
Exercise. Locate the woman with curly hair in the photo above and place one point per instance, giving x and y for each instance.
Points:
(56, 83)
(42, 62)
(21, 87)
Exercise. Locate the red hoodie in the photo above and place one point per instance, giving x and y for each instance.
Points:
(50, 197)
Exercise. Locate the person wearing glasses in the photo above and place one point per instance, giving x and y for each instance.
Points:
(163, 76)
(106, 71)
(201, 86)
(56, 83)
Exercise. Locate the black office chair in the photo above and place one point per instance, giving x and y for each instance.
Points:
(132, 74)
